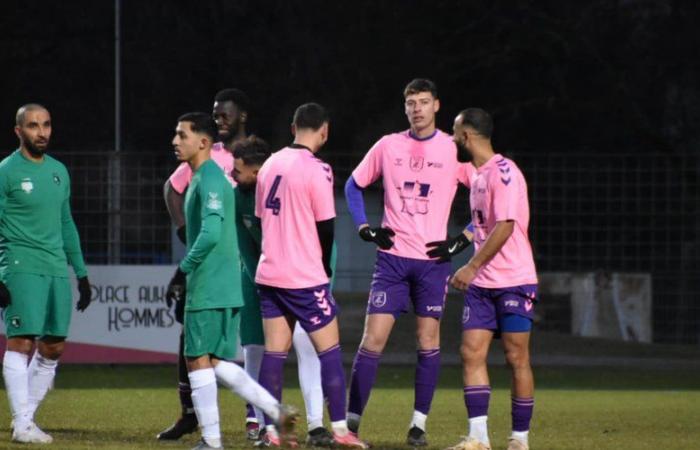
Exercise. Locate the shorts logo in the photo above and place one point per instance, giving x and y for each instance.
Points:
(27, 185)
(432, 308)
(56, 179)
(377, 298)
(465, 315)
(213, 202)
(322, 302)
(15, 322)
(315, 320)
(528, 305)
(512, 303)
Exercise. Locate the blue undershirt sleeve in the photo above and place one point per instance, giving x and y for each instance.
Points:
(355, 201)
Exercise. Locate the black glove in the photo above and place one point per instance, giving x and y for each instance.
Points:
(445, 250)
(85, 292)
(180, 309)
(182, 234)
(380, 236)
(176, 288)
(5, 299)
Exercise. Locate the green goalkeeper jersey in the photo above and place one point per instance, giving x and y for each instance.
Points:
(37, 232)
(212, 247)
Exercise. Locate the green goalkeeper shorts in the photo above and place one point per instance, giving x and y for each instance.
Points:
(41, 305)
(251, 317)
(212, 332)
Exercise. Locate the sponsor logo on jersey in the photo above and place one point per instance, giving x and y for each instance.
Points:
(213, 202)
(398, 162)
(27, 185)
(436, 165)
(377, 298)
(56, 179)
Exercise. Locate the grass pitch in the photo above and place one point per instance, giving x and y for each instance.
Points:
(124, 407)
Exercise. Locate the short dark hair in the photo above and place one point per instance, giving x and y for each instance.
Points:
(252, 150)
(311, 116)
(201, 123)
(237, 96)
(24, 109)
(418, 85)
(479, 120)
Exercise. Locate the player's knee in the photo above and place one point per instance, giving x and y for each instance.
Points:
(373, 342)
(20, 345)
(473, 355)
(518, 357)
(428, 339)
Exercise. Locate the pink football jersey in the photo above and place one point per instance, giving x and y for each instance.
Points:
(499, 193)
(293, 192)
(420, 178)
(182, 176)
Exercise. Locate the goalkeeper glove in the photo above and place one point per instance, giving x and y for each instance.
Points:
(85, 292)
(5, 298)
(176, 288)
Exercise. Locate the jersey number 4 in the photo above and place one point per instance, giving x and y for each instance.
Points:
(272, 202)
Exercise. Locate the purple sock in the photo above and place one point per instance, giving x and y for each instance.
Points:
(333, 382)
(249, 412)
(521, 412)
(427, 372)
(476, 399)
(364, 371)
(271, 375)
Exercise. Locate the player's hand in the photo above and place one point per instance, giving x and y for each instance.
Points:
(176, 288)
(5, 298)
(464, 277)
(380, 236)
(85, 292)
(182, 234)
(445, 250)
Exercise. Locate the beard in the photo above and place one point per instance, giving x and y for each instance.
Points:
(34, 150)
(463, 154)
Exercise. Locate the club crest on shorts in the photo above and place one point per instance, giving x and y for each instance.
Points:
(465, 314)
(27, 185)
(377, 298)
(213, 201)
(15, 322)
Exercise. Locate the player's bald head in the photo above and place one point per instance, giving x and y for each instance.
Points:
(24, 109)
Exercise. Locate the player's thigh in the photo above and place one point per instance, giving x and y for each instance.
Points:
(479, 310)
(326, 337)
(278, 333)
(251, 316)
(27, 313)
(211, 332)
(59, 309)
(303, 346)
(429, 283)
(390, 289)
(427, 332)
(377, 331)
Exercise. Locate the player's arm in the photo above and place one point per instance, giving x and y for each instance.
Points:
(366, 173)
(211, 195)
(174, 195)
(326, 231)
(248, 246)
(493, 244)
(175, 202)
(5, 298)
(74, 254)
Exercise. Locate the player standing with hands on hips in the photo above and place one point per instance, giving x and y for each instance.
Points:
(500, 283)
(38, 239)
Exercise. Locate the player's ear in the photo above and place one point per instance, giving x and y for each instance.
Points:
(294, 130)
(244, 117)
(17, 133)
(437, 105)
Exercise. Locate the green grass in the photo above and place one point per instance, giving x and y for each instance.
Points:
(577, 408)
